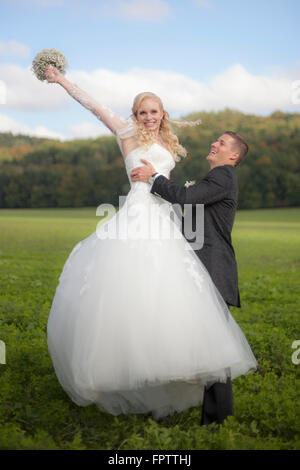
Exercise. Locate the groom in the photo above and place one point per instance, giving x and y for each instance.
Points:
(218, 191)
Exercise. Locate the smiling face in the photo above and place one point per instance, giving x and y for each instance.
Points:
(150, 114)
(223, 152)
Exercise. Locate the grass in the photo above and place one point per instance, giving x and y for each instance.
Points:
(35, 412)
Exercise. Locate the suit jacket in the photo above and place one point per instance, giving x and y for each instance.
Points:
(218, 191)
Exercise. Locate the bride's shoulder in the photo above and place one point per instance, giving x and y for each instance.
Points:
(127, 136)
(127, 130)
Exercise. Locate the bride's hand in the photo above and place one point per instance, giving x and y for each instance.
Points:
(53, 75)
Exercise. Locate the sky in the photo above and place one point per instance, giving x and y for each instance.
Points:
(197, 55)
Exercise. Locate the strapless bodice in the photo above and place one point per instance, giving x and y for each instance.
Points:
(158, 156)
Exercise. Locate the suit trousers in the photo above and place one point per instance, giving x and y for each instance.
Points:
(217, 402)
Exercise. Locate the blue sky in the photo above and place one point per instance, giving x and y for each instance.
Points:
(197, 54)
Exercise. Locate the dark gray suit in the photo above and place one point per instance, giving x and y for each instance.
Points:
(218, 191)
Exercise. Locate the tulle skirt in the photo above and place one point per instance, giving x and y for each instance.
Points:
(136, 323)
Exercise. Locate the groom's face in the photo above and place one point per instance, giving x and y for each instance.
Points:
(222, 151)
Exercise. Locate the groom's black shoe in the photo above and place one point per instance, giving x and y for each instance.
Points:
(217, 403)
(217, 400)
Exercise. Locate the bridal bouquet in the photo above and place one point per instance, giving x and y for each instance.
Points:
(47, 58)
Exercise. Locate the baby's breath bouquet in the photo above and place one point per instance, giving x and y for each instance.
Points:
(47, 58)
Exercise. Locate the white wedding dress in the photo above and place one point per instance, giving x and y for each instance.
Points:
(136, 324)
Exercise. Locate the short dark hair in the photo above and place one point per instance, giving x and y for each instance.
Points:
(240, 145)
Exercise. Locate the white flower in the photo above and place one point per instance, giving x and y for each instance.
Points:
(46, 58)
(189, 183)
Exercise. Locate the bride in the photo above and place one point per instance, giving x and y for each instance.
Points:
(136, 324)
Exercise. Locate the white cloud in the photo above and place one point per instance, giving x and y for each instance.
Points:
(26, 93)
(130, 10)
(15, 49)
(203, 3)
(80, 131)
(87, 130)
(41, 131)
(48, 3)
(234, 88)
(40, 3)
(117, 91)
(2, 92)
(144, 10)
(8, 124)
(239, 89)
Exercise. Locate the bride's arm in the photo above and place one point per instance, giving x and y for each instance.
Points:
(111, 120)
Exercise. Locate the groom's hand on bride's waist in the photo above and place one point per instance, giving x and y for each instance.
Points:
(143, 173)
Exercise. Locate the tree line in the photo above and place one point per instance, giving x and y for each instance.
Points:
(38, 172)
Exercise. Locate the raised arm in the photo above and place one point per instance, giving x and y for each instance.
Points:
(111, 120)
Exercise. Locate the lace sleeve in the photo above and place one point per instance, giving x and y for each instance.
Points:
(119, 126)
(129, 130)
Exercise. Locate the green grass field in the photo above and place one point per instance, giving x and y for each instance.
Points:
(35, 413)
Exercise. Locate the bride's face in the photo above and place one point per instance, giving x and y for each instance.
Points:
(150, 114)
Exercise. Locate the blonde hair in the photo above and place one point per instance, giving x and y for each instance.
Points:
(166, 133)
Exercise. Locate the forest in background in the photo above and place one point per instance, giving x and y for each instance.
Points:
(36, 172)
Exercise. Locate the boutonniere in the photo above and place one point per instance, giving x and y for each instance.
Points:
(189, 183)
